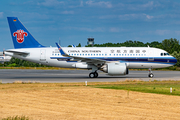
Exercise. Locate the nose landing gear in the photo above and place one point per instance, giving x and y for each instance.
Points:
(151, 75)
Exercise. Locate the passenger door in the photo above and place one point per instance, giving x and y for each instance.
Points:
(151, 55)
(43, 55)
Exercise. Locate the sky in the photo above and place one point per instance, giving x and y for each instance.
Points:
(73, 21)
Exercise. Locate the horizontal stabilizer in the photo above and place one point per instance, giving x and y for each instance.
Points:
(17, 52)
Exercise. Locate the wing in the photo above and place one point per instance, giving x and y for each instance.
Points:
(80, 59)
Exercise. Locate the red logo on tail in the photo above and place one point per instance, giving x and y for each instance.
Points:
(20, 35)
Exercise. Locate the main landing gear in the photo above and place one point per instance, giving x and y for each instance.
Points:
(151, 75)
(93, 74)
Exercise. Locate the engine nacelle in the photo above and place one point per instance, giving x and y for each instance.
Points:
(115, 69)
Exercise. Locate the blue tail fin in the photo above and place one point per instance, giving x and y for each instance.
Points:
(20, 35)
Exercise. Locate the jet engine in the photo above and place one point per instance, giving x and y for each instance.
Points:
(115, 69)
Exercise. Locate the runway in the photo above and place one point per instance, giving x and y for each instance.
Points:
(58, 76)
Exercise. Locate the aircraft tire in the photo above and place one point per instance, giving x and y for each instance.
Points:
(95, 74)
(151, 75)
(91, 75)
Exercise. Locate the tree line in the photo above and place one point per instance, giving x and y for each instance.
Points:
(15, 62)
(171, 45)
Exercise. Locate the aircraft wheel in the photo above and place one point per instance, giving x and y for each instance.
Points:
(91, 75)
(151, 75)
(95, 74)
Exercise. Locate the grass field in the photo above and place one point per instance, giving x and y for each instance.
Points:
(158, 87)
(44, 101)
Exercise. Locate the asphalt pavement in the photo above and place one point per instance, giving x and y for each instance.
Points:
(59, 76)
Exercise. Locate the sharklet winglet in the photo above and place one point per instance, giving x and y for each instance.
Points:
(61, 50)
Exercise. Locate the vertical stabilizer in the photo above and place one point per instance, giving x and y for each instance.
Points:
(21, 37)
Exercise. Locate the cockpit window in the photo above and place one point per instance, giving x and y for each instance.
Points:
(165, 54)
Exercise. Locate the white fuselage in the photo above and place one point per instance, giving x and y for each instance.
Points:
(134, 57)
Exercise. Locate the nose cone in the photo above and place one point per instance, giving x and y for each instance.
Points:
(174, 60)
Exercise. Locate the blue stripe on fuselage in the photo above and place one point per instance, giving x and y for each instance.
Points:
(164, 60)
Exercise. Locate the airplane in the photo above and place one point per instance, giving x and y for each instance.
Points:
(111, 60)
(4, 58)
